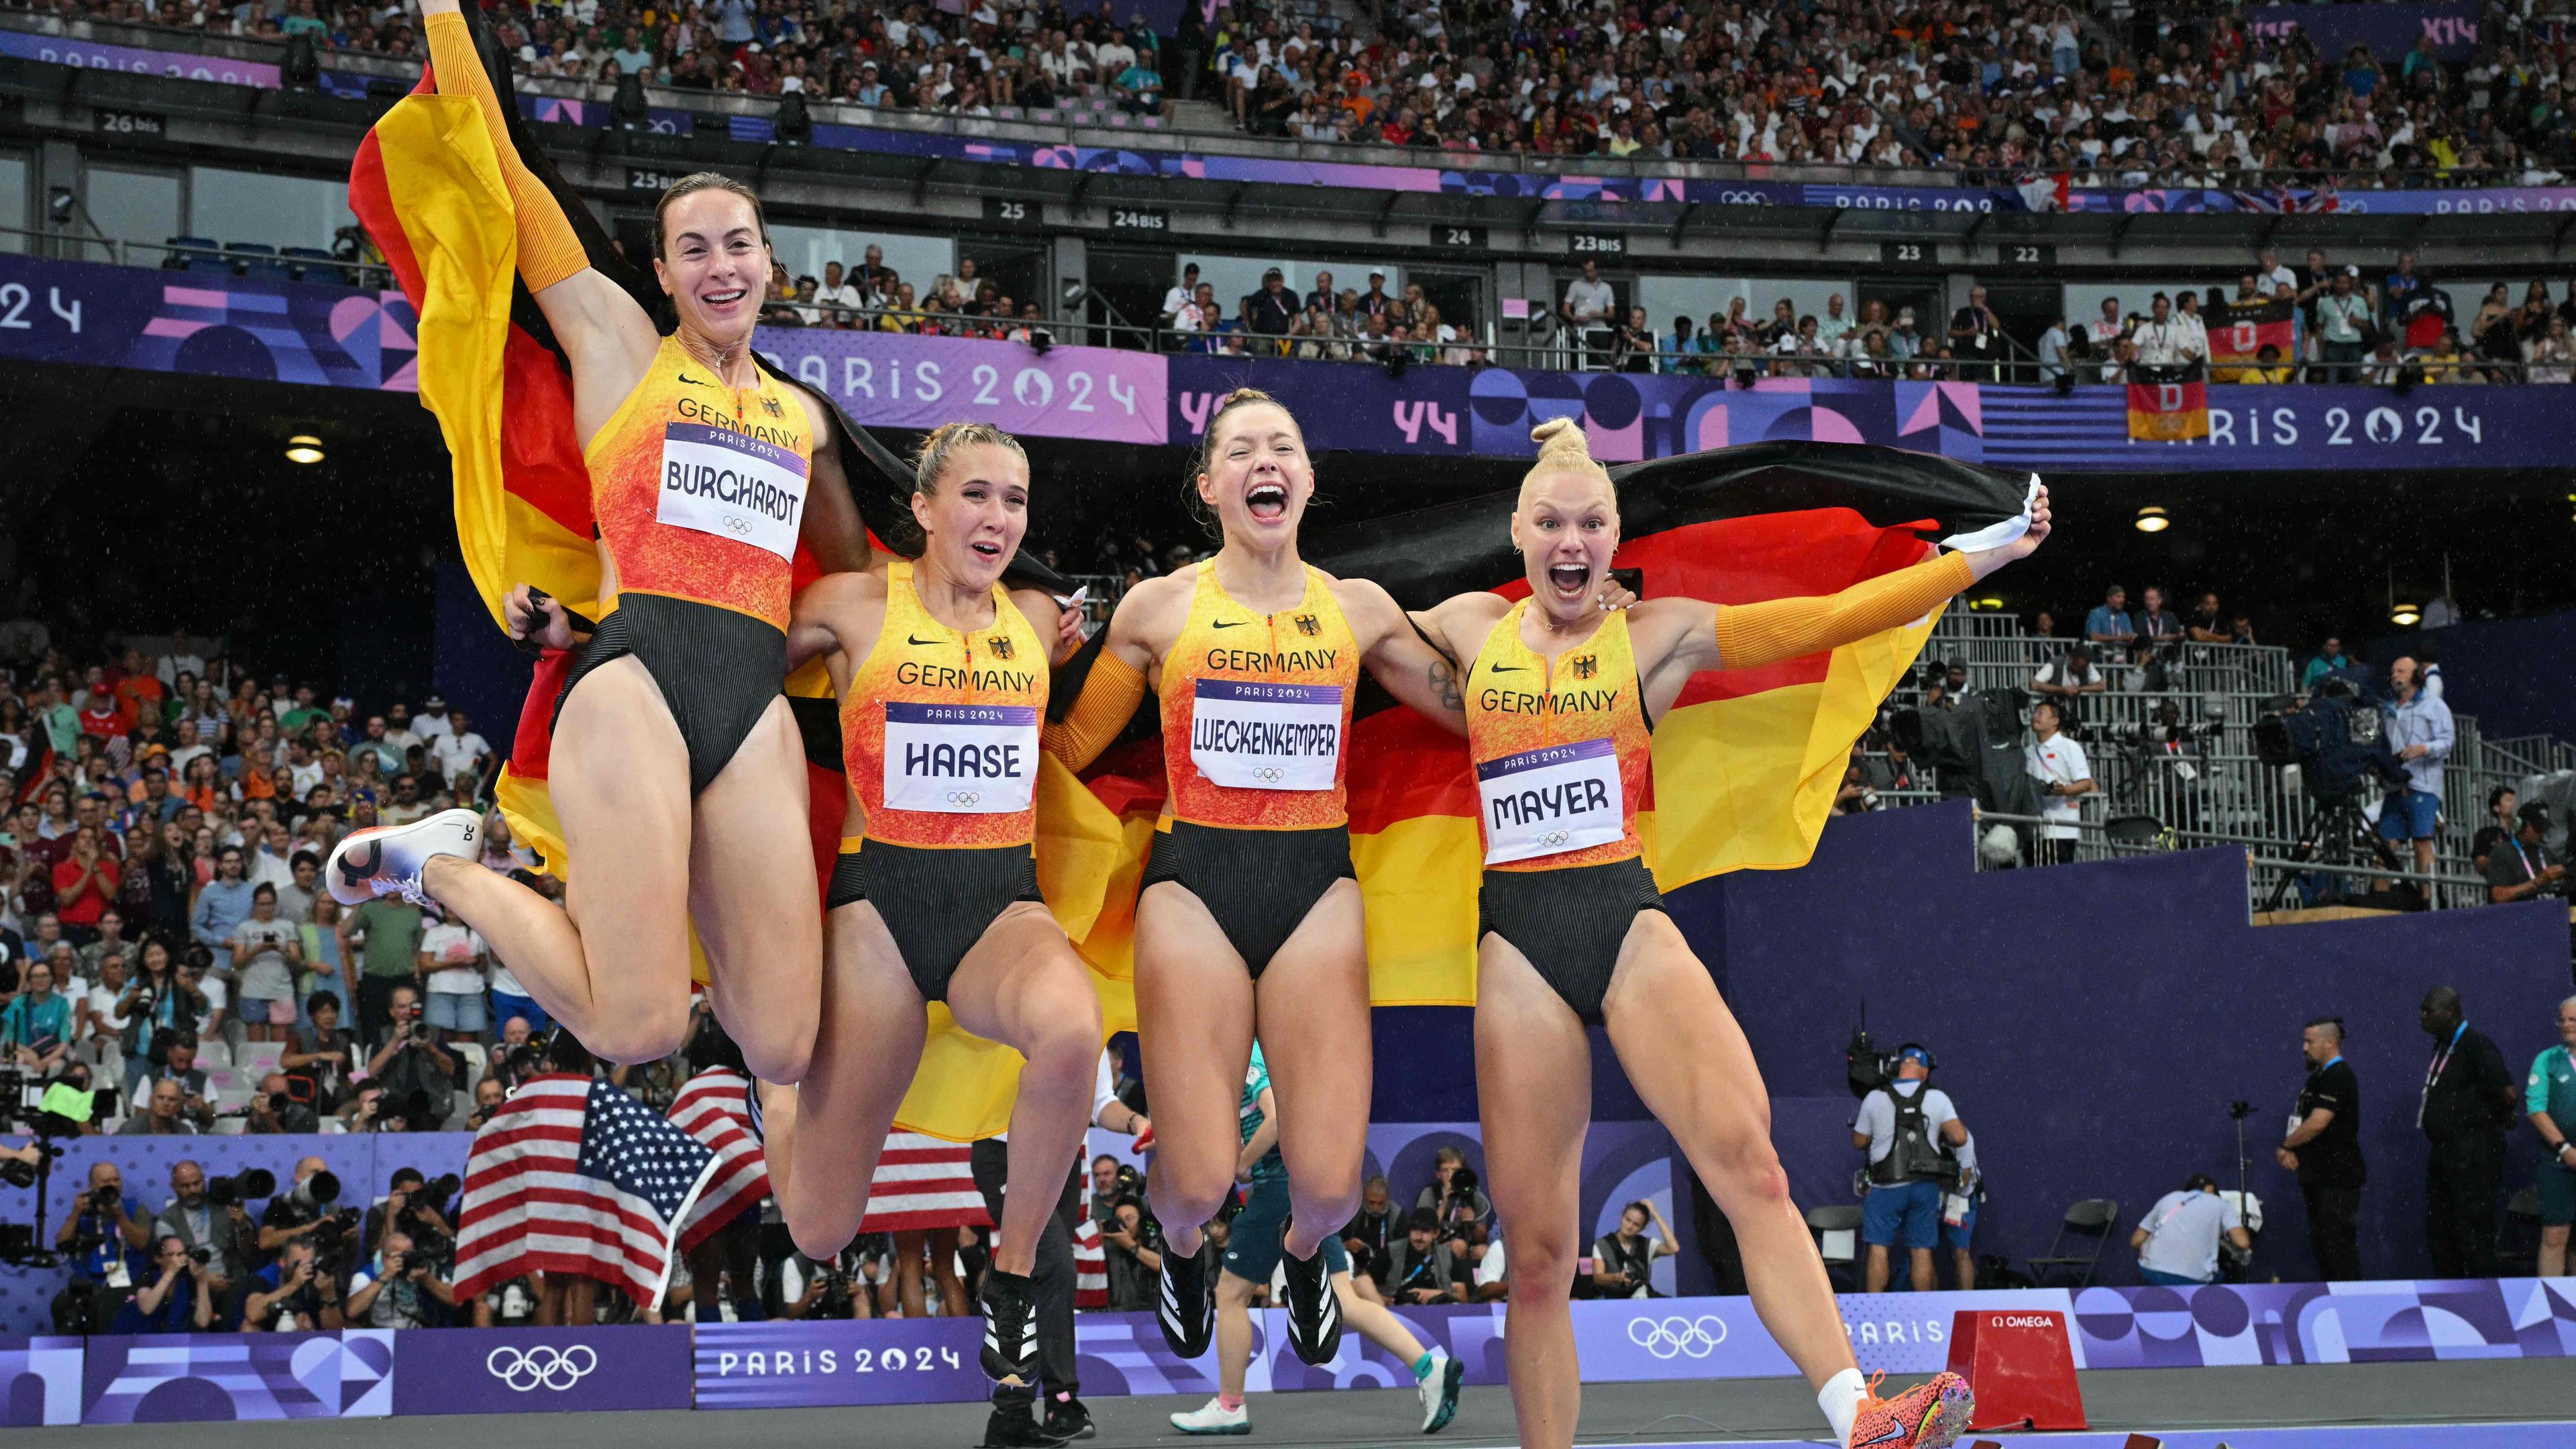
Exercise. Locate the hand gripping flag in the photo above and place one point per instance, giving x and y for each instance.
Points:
(1746, 761)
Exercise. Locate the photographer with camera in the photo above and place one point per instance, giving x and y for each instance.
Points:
(2519, 869)
(400, 1288)
(2419, 731)
(846, 1287)
(1445, 1191)
(2065, 775)
(273, 1110)
(107, 1247)
(294, 1293)
(2177, 1241)
(307, 1212)
(319, 1054)
(179, 1299)
(420, 1075)
(1911, 1132)
(174, 1060)
(1623, 1260)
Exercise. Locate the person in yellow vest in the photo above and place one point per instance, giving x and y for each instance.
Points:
(674, 754)
(1560, 700)
(1249, 923)
(941, 672)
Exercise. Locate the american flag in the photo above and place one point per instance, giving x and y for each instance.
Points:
(574, 1176)
(1090, 1259)
(712, 1108)
(923, 1182)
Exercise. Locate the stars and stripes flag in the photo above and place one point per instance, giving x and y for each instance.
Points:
(713, 1107)
(574, 1176)
(1090, 1258)
(922, 1182)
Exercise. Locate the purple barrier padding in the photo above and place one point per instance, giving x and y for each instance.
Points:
(788, 1363)
(40, 1381)
(136, 60)
(2290, 1323)
(898, 380)
(169, 1379)
(542, 1370)
(211, 324)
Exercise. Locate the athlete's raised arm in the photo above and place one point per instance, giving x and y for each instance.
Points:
(836, 613)
(608, 339)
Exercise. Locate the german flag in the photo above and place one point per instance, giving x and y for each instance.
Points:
(2240, 332)
(2168, 412)
(427, 185)
(1746, 761)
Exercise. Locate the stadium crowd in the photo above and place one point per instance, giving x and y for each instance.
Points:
(2117, 95)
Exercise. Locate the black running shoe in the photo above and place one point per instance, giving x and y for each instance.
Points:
(1010, 1328)
(1068, 1419)
(1185, 1307)
(1013, 1426)
(1314, 1309)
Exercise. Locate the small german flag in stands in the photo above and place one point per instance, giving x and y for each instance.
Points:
(2168, 412)
(2240, 332)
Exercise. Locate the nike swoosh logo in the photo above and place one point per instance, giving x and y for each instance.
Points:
(1222, 624)
(696, 382)
(1505, 668)
(1893, 1434)
(918, 643)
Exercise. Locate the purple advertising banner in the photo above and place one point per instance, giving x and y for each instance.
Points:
(40, 1381)
(2389, 31)
(89, 55)
(542, 1370)
(185, 1379)
(898, 380)
(788, 1363)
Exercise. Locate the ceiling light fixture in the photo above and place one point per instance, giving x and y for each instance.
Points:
(304, 448)
(2404, 616)
(2153, 520)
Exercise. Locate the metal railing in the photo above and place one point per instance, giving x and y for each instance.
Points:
(2159, 790)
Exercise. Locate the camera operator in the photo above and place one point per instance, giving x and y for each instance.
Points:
(273, 1110)
(846, 1287)
(2519, 869)
(400, 1288)
(2420, 733)
(414, 1205)
(293, 1293)
(2177, 1241)
(179, 1299)
(2069, 679)
(107, 1247)
(176, 1061)
(1445, 1190)
(2065, 775)
(199, 1222)
(1420, 1268)
(488, 1099)
(2324, 1148)
(306, 1212)
(517, 1058)
(412, 1061)
(1133, 1245)
(1623, 1260)
(1905, 1126)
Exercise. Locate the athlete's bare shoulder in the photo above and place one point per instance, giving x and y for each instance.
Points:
(1150, 615)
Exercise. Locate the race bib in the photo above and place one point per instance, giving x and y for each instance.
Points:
(960, 759)
(1251, 735)
(1551, 800)
(732, 486)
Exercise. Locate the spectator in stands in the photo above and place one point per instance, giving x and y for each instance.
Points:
(2055, 365)
(2329, 659)
(2549, 1096)
(2177, 1241)
(322, 1051)
(178, 1067)
(2550, 356)
(1623, 1259)
(2469, 1104)
(2164, 340)
(2420, 733)
(2517, 867)
(2343, 322)
(1910, 1131)
(266, 952)
(1977, 338)
(453, 960)
(2070, 677)
(36, 1027)
(179, 1299)
(1270, 310)
(1370, 1234)
(2499, 829)
(2324, 1148)
(1181, 297)
(383, 937)
(2155, 623)
(1588, 308)
(222, 905)
(85, 882)
(2065, 776)
(2109, 623)
(458, 750)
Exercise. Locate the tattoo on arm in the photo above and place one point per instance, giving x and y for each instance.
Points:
(1444, 684)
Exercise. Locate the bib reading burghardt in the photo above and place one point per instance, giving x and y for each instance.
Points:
(1253, 735)
(733, 486)
(1555, 798)
(960, 759)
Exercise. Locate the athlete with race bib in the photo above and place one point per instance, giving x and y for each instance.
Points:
(1249, 922)
(942, 676)
(1560, 702)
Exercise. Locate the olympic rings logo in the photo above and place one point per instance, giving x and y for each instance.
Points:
(1673, 1337)
(1555, 837)
(1742, 198)
(544, 1366)
(1269, 774)
(965, 797)
(738, 526)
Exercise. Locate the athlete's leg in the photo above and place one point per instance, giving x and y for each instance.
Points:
(1695, 1072)
(1194, 1029)
(943, 1272)
(1375, 1322)
(1023, 986)
(1233, 1330)
(1534, 1092)
(1313, 1020)
(751, 892)
(613, 962)
(911, 1246)
(835, 1125)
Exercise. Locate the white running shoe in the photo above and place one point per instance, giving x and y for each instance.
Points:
(1215, 1418)
(1439, 1391)
(387, 861)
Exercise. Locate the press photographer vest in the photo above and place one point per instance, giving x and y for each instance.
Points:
(1913, 1155)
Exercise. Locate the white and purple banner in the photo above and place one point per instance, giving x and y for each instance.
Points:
(137, 60)
(789, 1362)
(899, 380)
